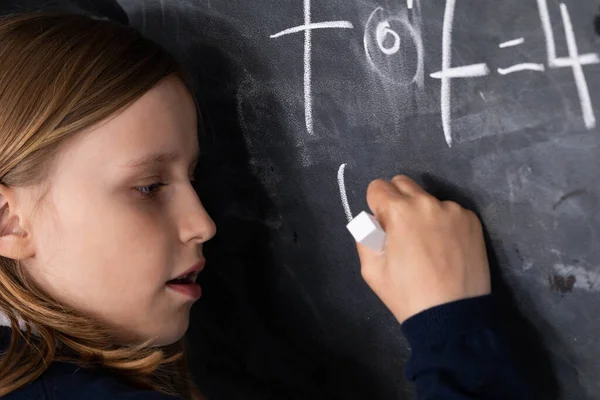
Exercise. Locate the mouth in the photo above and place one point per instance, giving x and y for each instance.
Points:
(186, 282)
(191, 274)
(185, 279)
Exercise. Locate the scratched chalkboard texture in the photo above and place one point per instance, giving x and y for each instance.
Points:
(492, 104)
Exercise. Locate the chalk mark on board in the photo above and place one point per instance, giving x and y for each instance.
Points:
(308, 70)
(314, 25)
(584, 59)
(446, 95)
(511, 43)
(343, 195)
(574, 60)
(522, 67)
(553, 61)
(467, 71)
(580, 81)
(384, 29)
(308, 27)
(447, 72)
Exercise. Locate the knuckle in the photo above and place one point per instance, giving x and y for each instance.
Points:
(475, 220)
(455, 209)
(425, 198)
(374, 184)
(402, 181)
(400, 178)
(471, 214)
(374, 188)
(368, 274)
(426, 201)
(452, 206)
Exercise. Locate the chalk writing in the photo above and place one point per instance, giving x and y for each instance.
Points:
(518, 67)
(380, 23)
(343, 196)
(307, 28)
(466, 71)
(511, 43)
(447, 72)
(388, 36)
(575, 61)
(553, 61)
(383, 29)
(521, 67)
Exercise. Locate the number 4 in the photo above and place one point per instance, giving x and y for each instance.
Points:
(575, 60)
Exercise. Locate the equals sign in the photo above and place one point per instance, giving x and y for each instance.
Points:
(512, 43)
(518, 67)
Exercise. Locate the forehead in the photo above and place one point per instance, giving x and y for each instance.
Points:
(162, 120)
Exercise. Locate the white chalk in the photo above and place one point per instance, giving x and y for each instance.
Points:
(367, 231)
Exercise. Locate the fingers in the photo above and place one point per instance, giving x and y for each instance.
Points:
(371, 263)
(380, 192)
(381, 195)
(434, 251)
(407, 186)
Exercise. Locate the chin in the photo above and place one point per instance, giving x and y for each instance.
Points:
(175, 331)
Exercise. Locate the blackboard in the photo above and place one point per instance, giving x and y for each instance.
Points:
(492, 104)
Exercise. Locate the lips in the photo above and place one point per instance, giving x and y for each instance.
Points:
(190, 275)
(186, 283)
(191, 290)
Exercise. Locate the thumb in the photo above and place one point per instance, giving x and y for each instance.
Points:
(371, 263)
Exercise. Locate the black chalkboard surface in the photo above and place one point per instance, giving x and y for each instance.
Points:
(492, 104)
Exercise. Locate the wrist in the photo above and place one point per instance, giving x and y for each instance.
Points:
(439, 324)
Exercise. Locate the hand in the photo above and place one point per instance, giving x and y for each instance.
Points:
(434, 251)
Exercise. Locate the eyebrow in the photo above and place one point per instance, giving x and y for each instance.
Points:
(160, 158)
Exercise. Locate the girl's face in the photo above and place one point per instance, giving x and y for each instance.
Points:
(113, 233)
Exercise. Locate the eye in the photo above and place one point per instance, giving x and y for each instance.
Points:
(150, 191)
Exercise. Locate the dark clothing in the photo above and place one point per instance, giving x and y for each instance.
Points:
(459, 352)
(65, 381)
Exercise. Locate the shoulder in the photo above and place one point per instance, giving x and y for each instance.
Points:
(65, 381)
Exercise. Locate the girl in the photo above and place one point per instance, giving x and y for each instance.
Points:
(102, 231)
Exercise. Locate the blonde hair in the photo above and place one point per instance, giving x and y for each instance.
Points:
(61, 73)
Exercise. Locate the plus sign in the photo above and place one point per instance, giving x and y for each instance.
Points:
(307, 28)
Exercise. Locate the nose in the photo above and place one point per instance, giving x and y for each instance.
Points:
(195, 222)
(209, 228)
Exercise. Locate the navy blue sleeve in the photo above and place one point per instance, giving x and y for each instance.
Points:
(459, 351)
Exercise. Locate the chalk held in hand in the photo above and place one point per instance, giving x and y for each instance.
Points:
(367, 231)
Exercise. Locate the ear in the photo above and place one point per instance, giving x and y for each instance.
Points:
(15, 241)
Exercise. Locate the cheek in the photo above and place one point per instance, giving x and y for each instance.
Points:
(130, 254)
(107, 256)
(112, 260)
